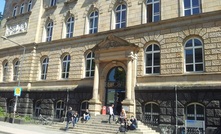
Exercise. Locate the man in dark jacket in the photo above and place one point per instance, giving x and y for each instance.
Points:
(69, 117)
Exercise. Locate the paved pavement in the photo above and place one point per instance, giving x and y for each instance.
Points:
(8, 128)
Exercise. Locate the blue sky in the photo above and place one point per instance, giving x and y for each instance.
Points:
(2, 4)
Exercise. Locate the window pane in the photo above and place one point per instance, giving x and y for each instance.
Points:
(199, 67)
(189, 43)
(149, 13)
(148, 70)
(189, 68)
(197, 42)
(186, 3)
(156, 18)
(156, 70)
(157, 59)
(196, 11)
(198, 55)
(149, 60)
(156, 8)
(187, 12)
(149, 48)
(124, 16)
(189, 56)
(195, 3)
(156, 47)
(123, 25)
(148, 108)
(88, 65)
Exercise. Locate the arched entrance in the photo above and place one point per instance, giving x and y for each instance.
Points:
(115, 88)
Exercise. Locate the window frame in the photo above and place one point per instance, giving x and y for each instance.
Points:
(191, 8)
(44, 68)
(5, 71)
(22, 8)
(120, 12)
(67, 62)
(15, 10)
(37, 108)
(53, 3)
(152, 53)
(91, 69)
(152, 113)
(49, 31)
(70, 27)
(29, 7)
(152, 14)
(10, 106)
(93, 17)
(195, 116)
(193, 48)
(16, 71)
(59, 111)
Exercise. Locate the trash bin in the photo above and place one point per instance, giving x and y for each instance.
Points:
(103, 110)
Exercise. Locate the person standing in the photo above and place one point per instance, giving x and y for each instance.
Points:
(69, 117)
(111, 112)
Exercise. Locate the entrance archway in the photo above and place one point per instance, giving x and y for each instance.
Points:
(115, 88)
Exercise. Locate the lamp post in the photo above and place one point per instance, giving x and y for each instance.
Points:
(20, 73)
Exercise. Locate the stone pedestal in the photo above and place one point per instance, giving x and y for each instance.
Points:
(94, 107)
(128, 105)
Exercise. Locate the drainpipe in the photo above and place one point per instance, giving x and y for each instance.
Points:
(176, 107)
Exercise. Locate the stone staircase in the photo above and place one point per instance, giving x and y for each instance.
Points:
(99, 125)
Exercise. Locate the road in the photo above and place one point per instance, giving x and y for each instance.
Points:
(8, 128)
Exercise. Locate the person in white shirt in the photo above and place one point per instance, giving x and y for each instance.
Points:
(111, 112)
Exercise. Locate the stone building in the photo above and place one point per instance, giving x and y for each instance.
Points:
(158, 59)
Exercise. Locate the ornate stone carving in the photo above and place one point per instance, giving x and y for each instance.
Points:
(16, 29)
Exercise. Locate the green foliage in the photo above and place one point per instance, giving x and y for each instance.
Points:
(2, 112)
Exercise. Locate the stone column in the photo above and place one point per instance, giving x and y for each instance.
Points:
(94, 103)
(128, 103)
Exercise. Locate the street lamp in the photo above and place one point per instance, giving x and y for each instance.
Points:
(20, 73)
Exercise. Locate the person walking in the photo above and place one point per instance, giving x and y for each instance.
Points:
(111, 113)
(69, 117)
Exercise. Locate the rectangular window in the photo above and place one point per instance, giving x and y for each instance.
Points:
(191, 7)
(153, 10)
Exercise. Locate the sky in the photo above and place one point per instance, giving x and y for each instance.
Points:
(2, 4)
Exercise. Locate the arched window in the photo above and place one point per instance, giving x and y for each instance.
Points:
(70, 27)
(5, 71)
(153, 10)
(53, 2)
(191, 7)
(44, 68)
(152, 55)
(49, 31)
(121, 16)
(90, 64)
(66, 66)
(16, 70)
(29, 6)
(22, 8)
(37, 108)
(194, 55)
(93, 22)
(59, 109)
(195, 112)
(151, 112)
(14, 13)
(84, 106)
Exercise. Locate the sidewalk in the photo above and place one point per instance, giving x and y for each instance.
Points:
(8, 128)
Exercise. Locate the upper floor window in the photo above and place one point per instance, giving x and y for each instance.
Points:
(90, 64)
(44, 68)
(5, 71)
(191, 7)
(70, 27)
(22, 8)
(93, 22)
(16, 71)
(152, 55)
(14, 13)
(121, 16)
(66, 66)
(29, 6)
(194, 55)
(59, 109)
(53, 2)
(153, 10)
(49, 31)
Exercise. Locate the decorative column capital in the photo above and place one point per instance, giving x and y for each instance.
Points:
(132, 56)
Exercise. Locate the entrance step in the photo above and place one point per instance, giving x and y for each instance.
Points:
(99, 125)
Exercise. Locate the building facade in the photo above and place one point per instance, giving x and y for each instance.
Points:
(158, 59)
